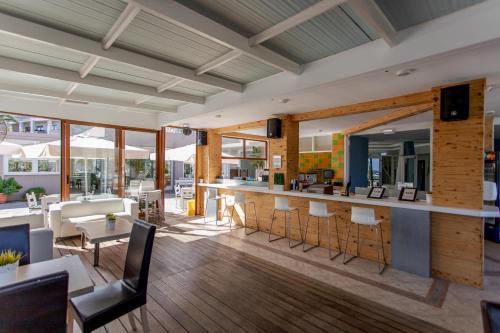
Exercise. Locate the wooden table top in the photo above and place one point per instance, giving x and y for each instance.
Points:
(96, 232)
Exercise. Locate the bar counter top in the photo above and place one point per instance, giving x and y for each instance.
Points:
(487, 211)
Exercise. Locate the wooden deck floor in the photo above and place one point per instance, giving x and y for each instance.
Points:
(203, 286)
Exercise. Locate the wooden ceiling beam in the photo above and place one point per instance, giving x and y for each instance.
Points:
(246, 136)
(241, 127)
(370, 106)
(402, 113)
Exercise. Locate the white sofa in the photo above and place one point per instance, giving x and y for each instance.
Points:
(64, 217)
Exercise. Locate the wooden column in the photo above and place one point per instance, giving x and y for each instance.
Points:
(201, 172)
(65, 166)
(208, 165)
(457, 177)
(288, 148)
(160, 161)
(488, 133)
(120, 160)
(214, 155)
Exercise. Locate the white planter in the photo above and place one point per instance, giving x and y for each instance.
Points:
(8, 272)
(110, 224)
(428, 198)
(279, 187)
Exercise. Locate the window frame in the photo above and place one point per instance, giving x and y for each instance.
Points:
(245, 149)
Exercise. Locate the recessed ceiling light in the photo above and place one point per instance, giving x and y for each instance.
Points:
(490, 112)
(405, 72)
(218, 116)
(491, 87)
(389, 131)
(320, 130)
(284, 100)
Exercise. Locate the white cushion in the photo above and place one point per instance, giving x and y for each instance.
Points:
(83, 219)
(91, 207)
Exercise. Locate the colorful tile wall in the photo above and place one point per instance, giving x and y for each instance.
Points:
(338, 155)
(312, 161)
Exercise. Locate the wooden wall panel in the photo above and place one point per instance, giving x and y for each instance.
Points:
(201, 172)
(457, 248)
(214, 155)
(368, 244)
(488, 133)
(288, 148)
(458, 167)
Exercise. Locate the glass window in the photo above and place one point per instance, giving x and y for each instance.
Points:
(232, 147)
(140, 161)
(48, 166)
(255, 149)
(93, 162)
(20, 165)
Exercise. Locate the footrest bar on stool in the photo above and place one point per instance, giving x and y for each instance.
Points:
(251, 232)
(275, 239)
(336, 255)
(305, 249)
(348, 260)
(295, 245)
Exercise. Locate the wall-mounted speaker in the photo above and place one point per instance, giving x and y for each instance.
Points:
(455, 103)
(274, 128)
(201, 138)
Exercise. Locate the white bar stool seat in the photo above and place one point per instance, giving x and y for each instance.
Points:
(281, 205)
(320, 210)
(240, 199)
(366, 216)
(211, 195)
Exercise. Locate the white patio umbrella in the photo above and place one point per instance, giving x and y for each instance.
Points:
(182, 154)
(9, 148)
(82, 147)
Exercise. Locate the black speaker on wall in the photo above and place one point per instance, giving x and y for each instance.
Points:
(455, 103)
(274, 128)
(201, 138)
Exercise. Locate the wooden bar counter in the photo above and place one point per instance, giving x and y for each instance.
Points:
(446, 242)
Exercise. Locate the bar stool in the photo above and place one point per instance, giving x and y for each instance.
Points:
(365, 216)
(153, 205)
(320, 210)
(240, 199)
(211, 195)
(281, 205)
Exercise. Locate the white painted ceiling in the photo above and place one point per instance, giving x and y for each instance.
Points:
(476, 62)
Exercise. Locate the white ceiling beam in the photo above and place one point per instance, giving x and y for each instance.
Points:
(219, 61)
(30, 68)
(374, 17)
(142, 99)
(23, 28)
(71, 88)
(78, 97)
(169, 84)
(88, 66)
(125, 18)
(189, 19)
(299, 18)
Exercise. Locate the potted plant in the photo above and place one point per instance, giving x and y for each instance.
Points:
(428, 197)
(110, 221)
(8, 186)
(279, 181)
(9, 262)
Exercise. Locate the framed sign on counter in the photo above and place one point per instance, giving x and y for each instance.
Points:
(408, 194)
(376, 192)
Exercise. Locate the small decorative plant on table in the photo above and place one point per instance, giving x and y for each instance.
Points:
(9, 262)
(279, 181)
(110, 221)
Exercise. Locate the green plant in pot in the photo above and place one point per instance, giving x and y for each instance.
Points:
(8, 186)
(279, 181)
(9, 262)
(110, 221)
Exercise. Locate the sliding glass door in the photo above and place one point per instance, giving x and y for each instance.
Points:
(93, 162)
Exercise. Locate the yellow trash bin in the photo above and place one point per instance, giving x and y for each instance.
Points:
(191, 209)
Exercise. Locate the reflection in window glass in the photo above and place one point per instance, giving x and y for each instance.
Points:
(20, 166)
(255, 149)
(232, 147)
(93, 162)
(48, 166)
(140, 161)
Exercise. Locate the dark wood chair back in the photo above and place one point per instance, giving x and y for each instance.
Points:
(17, 238)
(491, 316)
(140, 248)
(36, 305)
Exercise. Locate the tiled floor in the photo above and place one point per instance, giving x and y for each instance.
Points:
(450, 305)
